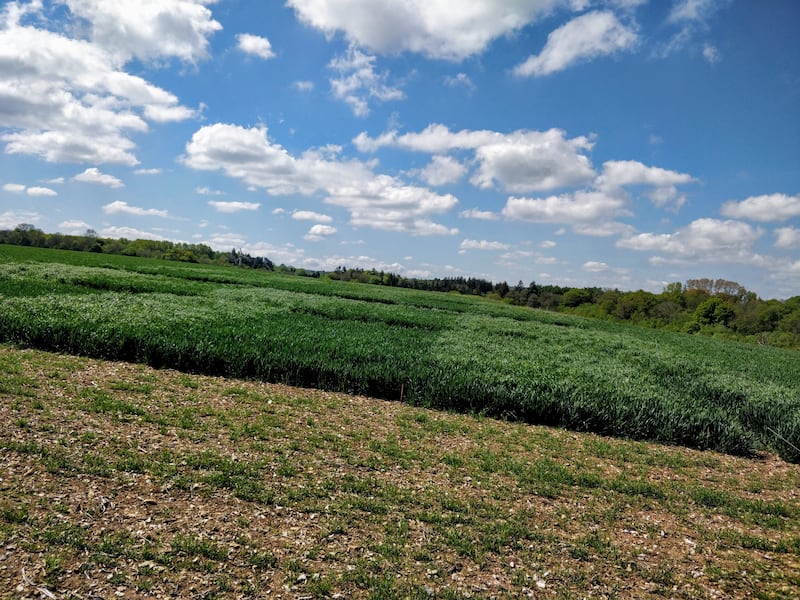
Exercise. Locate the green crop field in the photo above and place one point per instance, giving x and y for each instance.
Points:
(435, 350)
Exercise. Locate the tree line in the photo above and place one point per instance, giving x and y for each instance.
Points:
(28, 235)
(716, 307)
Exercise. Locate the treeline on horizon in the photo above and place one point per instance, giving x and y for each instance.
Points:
(715, 307)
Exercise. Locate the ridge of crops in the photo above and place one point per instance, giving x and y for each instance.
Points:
(444, 351)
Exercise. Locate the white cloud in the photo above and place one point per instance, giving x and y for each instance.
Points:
(547, 244)
(317, 233)
(303, 86)
(694, 10)
(18, 188)
(703, 240)
(483, 245)
(207, 191)
(255, 45)
(357, 82)
(768, 207)
(435, 28)
(308, 215)
(617, 174)
(441, 171)
(119, 207)
(520, 161)
(148, 171)
(249, 155)
(594, 266)
(130, 233)
(70, 100)
(787, 237)
(40, 191)
(10, 218)
(711, 54)
(482, 215)
(74, 227)
(586, 37)
(692, 17)
(55, 181)
(233, 207)
(384, 203)
(459, 80)
(149, 29)
(375, 201)
(589, 213)
(93, 175)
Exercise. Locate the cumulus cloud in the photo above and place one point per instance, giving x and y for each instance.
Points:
(703, 240)
(119, 207)
(357, 82)
(74, 227)
(594, 266)
(385, 203)
(10, 218)
(583, 38)
(130, 233)
(533, 161)
(255, 45)
(233, 207)
(429, 27)
(441, 171)
(589, 212)
(309, 215)
(664, 193)
(787, 237)
(375, 201)
(468, 244)
(768, 207)
(249, 155)
(93, 175)
(18, 188)
(40, 191)
(149, 29)
(317, 233)
(66, 99)
(520, 161)
(148, 171)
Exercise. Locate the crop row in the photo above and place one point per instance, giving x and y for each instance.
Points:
(450, 352)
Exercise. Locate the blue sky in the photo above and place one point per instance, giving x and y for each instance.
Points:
(612, 143)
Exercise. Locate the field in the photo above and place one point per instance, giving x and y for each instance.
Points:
(442, 351)
(119, 480)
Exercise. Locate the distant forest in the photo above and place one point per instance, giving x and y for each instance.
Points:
(715, 307)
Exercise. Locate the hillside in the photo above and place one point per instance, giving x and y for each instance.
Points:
(121, 480)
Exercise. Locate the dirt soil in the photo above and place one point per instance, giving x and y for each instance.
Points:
(120, 481)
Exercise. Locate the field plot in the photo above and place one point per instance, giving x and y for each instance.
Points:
(436, 350)
(118, 480)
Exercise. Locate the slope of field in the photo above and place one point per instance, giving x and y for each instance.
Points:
(437, 350)
(117, 480)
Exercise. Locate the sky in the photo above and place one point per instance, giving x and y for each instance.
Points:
(612, 143)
